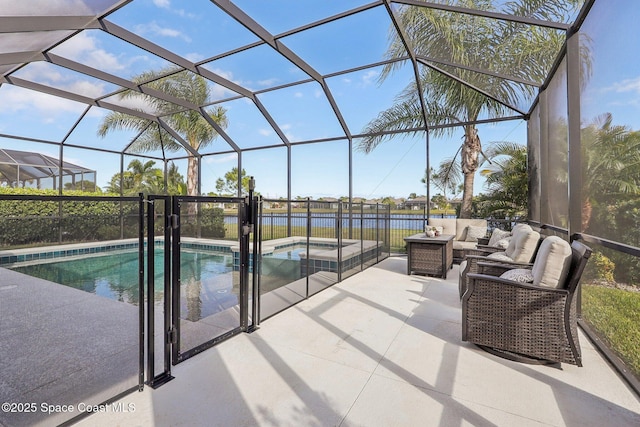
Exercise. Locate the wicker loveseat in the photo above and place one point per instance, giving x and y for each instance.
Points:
(532, 322)
(458, 228)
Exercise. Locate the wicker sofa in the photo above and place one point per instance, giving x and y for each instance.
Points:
(458, 228)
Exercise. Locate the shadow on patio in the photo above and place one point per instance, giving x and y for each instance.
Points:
(381, 348)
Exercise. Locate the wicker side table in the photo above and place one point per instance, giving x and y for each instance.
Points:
(429, 255)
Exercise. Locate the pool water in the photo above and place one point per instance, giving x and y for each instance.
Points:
(206, 278)
(290, 254)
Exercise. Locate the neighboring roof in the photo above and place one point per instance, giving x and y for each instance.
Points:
(23, 165)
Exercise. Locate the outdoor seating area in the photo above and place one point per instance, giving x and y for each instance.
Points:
(320, 213)
(380, 348)
(466, 233)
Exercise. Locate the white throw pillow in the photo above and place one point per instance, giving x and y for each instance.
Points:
(503, 243)
(552, 263)
(498, 235)
(522, 275)
(474, 233)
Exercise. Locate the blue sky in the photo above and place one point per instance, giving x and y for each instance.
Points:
(196, 30)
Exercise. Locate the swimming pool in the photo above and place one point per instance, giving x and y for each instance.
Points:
(207, 282)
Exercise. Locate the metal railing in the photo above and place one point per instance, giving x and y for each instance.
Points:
(46, 240)
(320, 244)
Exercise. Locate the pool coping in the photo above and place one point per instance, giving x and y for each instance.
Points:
(350, 248)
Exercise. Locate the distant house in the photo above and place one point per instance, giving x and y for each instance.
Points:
(416, 204)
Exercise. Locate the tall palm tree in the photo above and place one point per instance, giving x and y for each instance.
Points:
(190, 125)
(610, 162)
(523, 52)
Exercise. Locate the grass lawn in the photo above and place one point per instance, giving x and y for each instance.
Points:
(615, 314)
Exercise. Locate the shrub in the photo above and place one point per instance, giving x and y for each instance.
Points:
(600, 267)
(210, 222)
(31, 221)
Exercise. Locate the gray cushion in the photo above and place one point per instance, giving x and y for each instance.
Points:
(552, 263)
(463, 245)
(525, 244)
(521, 275)
(474, 233)
(515, 232)
(462, 223)
(498, 235)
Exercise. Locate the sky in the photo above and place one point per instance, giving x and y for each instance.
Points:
(197, 30)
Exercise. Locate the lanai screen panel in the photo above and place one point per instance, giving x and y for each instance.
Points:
(610, 123)
(308, 60)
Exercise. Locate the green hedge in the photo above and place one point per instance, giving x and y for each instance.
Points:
(30, 222)
(209, 221)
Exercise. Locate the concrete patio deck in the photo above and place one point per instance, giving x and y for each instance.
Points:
(379, 349)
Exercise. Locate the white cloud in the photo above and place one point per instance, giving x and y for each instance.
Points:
(92, 90)
(265, 132)
(133, 102)
(268, 82)
(628, 90)
(154, 28)
(194, 56)
(221, 159)
(164, 4)
(219, 91)
(298, 95)
(369, 77)
(626, 85)
(318, 93)
(85, 49)
(49, 107)
(185, 14)
(228, 75)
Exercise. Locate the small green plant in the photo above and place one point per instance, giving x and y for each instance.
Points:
(600, 267)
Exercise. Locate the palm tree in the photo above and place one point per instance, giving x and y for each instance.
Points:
(190, 124)
(507, 180)
(492, 45)
(143, 174)
(138, 178)
(611, 164)
(447, 178)
(175, 181)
